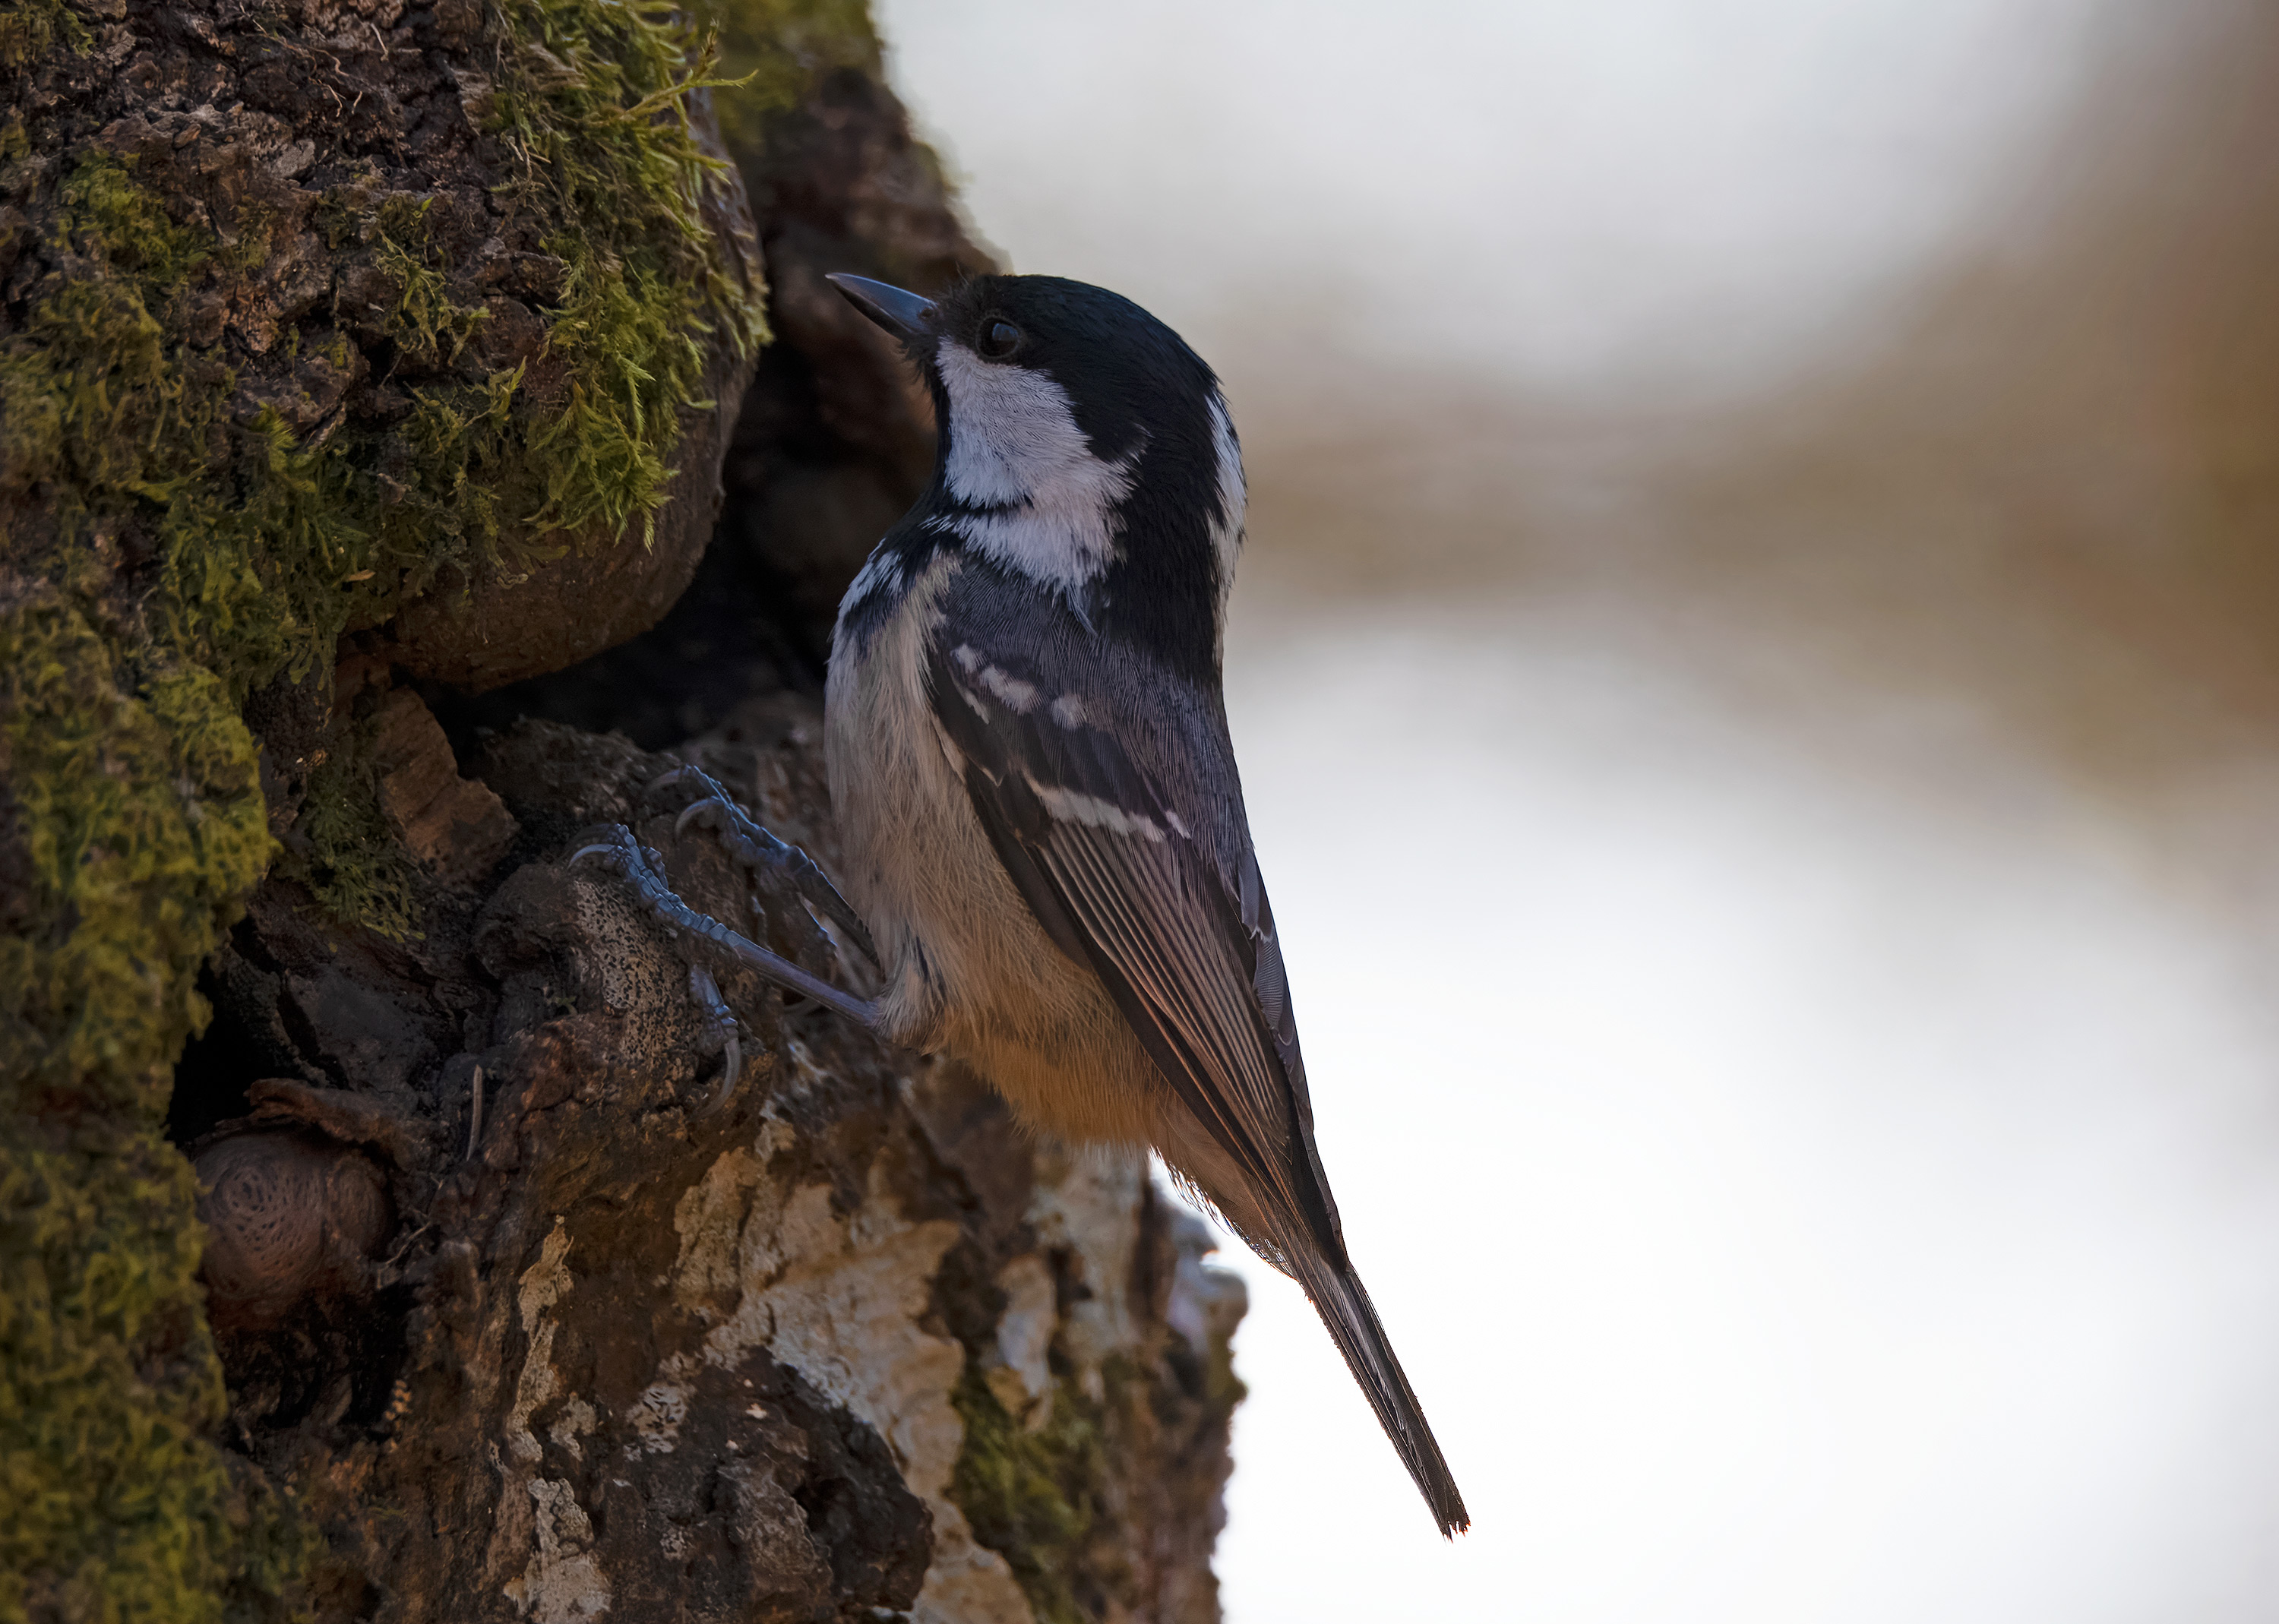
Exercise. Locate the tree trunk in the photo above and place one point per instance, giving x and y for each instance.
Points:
(372, 380)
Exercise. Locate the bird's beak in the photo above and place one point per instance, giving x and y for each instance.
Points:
(901, 312)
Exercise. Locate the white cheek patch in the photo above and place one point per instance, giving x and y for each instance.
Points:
(1014, 443)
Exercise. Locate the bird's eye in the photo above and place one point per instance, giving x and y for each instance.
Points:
(999, 340)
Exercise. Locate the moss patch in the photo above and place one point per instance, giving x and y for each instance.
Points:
(354, 866)
(274, 539)
(140, 817)
(776, 51)
(594, 99)
(29, 29)
(189, 512)
(1035, 1498)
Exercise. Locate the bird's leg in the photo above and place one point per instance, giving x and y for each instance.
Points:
(643, 869)
(762, 855)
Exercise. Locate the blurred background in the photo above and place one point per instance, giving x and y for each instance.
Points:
(1757, 673)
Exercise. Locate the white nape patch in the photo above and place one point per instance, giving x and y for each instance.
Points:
(1014, 443)
(1075, 807)
(1233, 499)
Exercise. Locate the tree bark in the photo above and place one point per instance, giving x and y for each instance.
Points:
(375, 380)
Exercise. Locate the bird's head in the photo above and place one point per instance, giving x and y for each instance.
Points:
(1082, 444)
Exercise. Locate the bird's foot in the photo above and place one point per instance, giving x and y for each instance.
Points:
(694, 935)
(720, 1033)
(771, 864)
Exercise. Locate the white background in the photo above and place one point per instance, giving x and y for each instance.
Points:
(1819, 1161)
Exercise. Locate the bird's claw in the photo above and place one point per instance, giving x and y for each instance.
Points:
(752, 844)
(642, 868)
(722, 1035)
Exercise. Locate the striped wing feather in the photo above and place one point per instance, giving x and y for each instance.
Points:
(1190, 956)
(1099, 856)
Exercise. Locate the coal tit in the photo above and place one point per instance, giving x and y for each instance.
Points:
(1036, 791)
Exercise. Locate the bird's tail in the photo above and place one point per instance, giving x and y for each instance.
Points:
(1343, 1303)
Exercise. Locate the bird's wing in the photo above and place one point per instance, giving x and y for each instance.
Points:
(1166, 905)
(1182, 938)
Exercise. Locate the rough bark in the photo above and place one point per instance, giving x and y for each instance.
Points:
(620, 1350)
(372, 374)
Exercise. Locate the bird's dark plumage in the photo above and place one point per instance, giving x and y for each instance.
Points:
(1036, 787)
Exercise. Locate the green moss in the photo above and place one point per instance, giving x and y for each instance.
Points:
(358, 872)
(143, 814)
(776, 49)
(140, 809)
(136, 799)
(108, 215)
(29, 29)
(427, 323)
(593, 98)
(119, 425)
(1034, 1497)
(271, 545)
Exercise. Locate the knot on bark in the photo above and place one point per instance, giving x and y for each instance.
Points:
(287, 1217)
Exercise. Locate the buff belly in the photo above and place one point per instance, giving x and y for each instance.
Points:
(969, 970)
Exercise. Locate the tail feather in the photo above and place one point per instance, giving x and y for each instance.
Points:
(1343, 1303)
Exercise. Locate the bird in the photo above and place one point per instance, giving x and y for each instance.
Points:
(1044, 849)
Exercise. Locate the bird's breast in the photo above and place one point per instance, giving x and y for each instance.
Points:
(956, 938)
